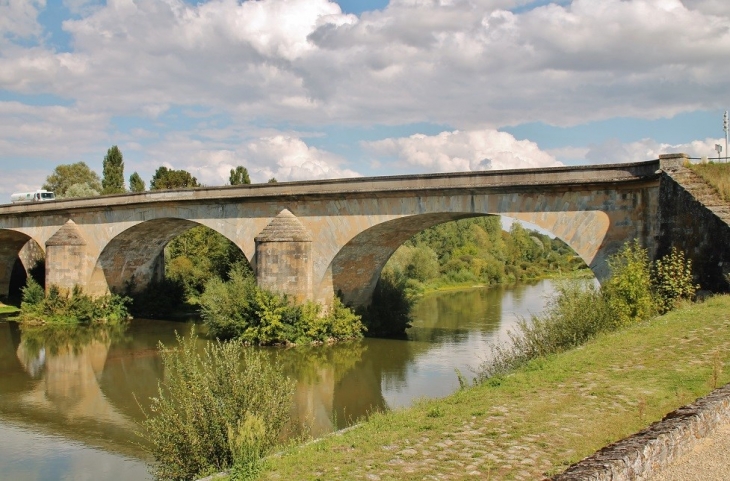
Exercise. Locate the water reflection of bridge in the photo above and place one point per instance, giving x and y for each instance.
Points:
(89, 391)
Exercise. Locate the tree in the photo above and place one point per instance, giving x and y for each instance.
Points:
(239, 176)
(136, 184)
(64, 176)
(165, 178)
(113, 180)
(273, 180)
(81, 190)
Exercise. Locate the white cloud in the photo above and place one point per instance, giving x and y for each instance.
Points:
(613, 151)
(20, 18)
(464, 151)
(284, 157)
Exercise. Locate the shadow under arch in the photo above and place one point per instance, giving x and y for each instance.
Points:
(19, 253)
(356, 268)
(135, 257)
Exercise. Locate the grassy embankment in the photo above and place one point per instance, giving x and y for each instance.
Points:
(717, 175)
(540, 419)
(5, 309)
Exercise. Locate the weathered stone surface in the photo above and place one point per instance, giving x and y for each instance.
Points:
(68, 262)
(645, 453)
(284, 257)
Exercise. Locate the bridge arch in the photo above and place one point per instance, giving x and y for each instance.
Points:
(135, 257)
(355, 269)
(19, 253)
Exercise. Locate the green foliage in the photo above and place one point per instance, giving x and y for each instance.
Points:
(629, 289)
(477, 251)
(165, 178)
(73, 307)
(158, 299)
(273, 180)
(65, 176)
(634, 292)
(240, 309)
(112, 181)
(239, 176)
(198, 255)
(389, 313)
(673, 281)
(136, 184)
(80, 190)
(218, 408)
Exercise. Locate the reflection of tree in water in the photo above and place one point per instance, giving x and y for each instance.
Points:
(133, 366)
(14, 376)
(450, 316)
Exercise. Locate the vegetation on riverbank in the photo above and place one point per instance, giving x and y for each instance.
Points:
(717, 175)
(7, 309)
(74, 307)
(240, 309)
(539, 419)
(477, 252)
(219, 408)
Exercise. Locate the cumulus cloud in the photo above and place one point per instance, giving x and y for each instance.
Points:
(464, 151)
(283, 157)
(614, 151)
(464, 63)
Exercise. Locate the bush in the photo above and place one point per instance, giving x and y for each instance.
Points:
(217, 409)
(389, 313)
(672, 280)
(576, 314)
(629, 289)
(240, 309)
(634, 292)
(70, 308)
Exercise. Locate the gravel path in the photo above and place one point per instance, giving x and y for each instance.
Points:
(708, 461)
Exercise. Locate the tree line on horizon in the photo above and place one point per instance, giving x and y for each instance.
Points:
(79, 180)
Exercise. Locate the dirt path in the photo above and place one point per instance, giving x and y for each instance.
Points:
(708, 461)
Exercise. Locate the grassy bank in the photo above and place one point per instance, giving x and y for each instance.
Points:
(5, 309)
(717, 175)
(539, 420)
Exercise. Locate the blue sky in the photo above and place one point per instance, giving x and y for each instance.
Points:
(306, 89)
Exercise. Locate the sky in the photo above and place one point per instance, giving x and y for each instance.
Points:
(311, 89)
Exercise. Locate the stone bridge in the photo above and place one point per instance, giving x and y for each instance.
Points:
(314, 239)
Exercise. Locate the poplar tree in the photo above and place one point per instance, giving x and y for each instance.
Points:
(239, 176)
(112, 181)
(136, 184)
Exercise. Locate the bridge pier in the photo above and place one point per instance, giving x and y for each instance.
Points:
(67, 261)
(284, 257)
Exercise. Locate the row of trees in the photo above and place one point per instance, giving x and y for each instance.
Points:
(78, 180)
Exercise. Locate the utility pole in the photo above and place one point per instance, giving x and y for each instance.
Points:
(724, 127)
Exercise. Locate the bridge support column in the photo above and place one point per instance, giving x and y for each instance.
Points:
(284, 257)
(67, 261)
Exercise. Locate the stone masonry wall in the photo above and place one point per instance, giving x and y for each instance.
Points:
(643, 454)
(689, 225)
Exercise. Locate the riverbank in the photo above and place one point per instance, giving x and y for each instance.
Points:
(541, 419)
(5, 309)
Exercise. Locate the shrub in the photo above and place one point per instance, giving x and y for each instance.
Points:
(629, 289)
(672, 280)
(70, 308)
(240, 309)
(219, 408)
(389, 313)
(576, 314)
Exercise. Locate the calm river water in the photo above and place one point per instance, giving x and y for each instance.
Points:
(68, 406)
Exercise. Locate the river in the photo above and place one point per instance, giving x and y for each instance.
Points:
(69, 405)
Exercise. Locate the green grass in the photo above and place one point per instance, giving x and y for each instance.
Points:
(717, 175)
(542, 418)
(4, 309)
